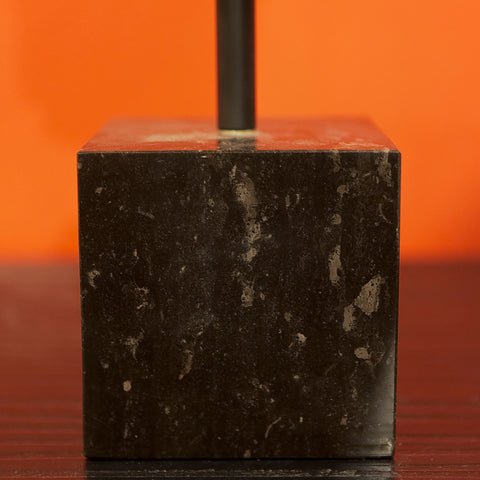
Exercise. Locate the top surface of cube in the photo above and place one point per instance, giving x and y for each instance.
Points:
(337, 133)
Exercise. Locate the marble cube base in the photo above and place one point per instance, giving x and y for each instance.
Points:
(239, 292)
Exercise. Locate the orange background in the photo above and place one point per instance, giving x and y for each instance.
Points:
(411, 65)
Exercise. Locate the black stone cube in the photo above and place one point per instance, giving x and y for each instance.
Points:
(239, 290)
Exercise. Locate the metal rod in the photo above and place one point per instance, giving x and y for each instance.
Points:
(236, 64)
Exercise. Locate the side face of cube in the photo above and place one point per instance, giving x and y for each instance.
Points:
(239, 304)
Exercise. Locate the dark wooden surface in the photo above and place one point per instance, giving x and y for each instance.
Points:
(438, 422)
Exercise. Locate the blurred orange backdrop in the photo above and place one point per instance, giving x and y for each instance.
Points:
(413, 66)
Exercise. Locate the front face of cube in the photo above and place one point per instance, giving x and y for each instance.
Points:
(239, 304)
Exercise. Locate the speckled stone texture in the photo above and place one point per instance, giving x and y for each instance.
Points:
(239, 300)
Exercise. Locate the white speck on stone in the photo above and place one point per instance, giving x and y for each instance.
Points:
(354, 393)
(248, 257)
(297, 198)
(336, 161)
(262, 295)
(127, 385)
(105, 365)
(132, 343)
(269, 427)
(135, 253)
(287, 201)
(247, 453)
(301, 337)
(381, 214)
(343, 421)
(92, 275)
(211, 202)
(182, 270)
(245, 192)
(187, 364)
(247, 294)
(335, 265)
(256, 383)
(368, 299)
(167, 410)
(342, 190)
(287, 316)
(300, 420)
(296, 377)
(142, 296)
(336, 219)
(348, 318)
(98, 190)
(385, 169)
(145, 214)
(362, 353)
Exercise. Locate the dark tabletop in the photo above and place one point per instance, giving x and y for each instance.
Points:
(438, 422)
